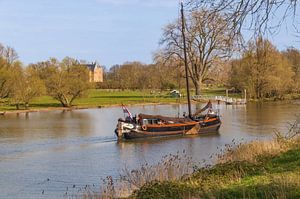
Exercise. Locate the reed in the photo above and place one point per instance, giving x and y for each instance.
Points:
(251, 151)
(170, 168)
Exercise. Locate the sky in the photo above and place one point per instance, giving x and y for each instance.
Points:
(108, 31)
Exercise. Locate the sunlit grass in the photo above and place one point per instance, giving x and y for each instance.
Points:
(107, 97)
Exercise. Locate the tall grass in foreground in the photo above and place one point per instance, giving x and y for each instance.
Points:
(170, 168)
(252, 151)
(259, 169)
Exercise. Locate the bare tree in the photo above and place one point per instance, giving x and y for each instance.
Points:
(10, 54)
(2, 49)
(257, 15)
(209, 39)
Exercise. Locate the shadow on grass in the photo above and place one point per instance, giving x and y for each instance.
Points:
(129, 97)
(271, 190)
(48, 105)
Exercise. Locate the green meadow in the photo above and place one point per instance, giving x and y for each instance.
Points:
(110, 97)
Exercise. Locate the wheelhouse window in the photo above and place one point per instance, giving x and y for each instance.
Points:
(150, 121)
(145, 121)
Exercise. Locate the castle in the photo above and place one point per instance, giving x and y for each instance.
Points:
(95, 72)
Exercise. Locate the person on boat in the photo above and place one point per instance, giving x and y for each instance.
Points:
(210, 112)
(128, 119)
(134, 119)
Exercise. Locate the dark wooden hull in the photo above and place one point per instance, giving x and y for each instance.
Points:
(164, 132)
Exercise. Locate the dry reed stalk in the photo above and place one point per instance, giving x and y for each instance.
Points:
(170, 168)
(251, 151)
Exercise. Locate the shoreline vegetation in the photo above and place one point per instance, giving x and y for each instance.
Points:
(101, 98)
(257, 169)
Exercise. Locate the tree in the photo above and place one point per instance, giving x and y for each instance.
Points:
(66, 81)
(220, 73)
(208, 40)
(25, 85)
(10, 54)
(169, 72)
(293, 56)
(4, 78)
(135, 75)
(2, 49)
(262, 70)
(8, 58)
(46, 68)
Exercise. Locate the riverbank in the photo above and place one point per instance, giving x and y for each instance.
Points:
(259, 169)
(99, 98)
(24, 111)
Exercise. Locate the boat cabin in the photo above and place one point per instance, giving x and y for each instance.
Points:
(158, 119)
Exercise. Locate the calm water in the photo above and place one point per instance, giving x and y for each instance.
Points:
(41, 154)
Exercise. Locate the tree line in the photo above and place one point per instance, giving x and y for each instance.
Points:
(261, 69)
(136, 75)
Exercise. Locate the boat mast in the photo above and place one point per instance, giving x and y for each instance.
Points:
(185, 59)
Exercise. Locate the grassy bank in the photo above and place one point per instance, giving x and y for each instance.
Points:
(99, 97)
(272, 175)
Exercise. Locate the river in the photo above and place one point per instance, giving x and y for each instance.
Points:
(46, 154)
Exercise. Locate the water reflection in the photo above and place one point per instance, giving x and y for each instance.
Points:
(57, 124)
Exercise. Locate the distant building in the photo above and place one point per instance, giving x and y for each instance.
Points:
(95, 72)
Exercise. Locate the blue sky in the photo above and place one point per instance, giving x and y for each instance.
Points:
(109, 31)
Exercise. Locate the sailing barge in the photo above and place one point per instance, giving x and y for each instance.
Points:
(145, 126)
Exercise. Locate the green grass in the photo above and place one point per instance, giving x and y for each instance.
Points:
(273, 176)
(221, 91)
(116, 97)
(100, 97)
